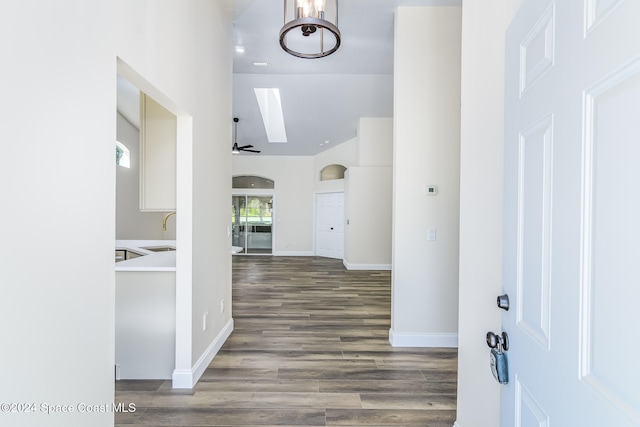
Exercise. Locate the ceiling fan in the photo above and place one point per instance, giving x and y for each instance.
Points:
(236, 149)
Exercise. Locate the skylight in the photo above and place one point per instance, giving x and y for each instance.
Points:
(271, 110)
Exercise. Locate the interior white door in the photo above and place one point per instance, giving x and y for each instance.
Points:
(572, 214)
(330, 225)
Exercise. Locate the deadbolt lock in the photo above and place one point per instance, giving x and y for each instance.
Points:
(503, 302)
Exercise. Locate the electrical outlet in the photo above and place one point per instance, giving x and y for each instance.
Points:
(117, 372)
(205, 318)
(221, 306)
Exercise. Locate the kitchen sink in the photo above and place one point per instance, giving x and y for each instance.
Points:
(125, 254)
(159, 248)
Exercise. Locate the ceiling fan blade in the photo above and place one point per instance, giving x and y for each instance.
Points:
(245, 146)
(251, 151)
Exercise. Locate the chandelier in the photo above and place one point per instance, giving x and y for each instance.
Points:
(310, 28)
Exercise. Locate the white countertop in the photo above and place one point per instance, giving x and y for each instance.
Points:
(151, 261)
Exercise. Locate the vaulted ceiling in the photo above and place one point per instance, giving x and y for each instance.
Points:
(322, 99)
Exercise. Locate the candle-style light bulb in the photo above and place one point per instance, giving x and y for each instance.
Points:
(319, 6)
(303, 6)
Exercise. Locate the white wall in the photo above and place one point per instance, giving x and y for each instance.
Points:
(297, 178)
(481, 210)
(368, 197)
(58, 209)
(375, 141)
(59, 126)
(426, 151)
(341, 154)
(178, 53)
(131, 224)
(293, 203)
(367, 237)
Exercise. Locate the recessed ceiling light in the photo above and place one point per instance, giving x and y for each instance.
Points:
(240, 49)
(261, 64)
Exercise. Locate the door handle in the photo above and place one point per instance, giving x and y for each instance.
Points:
(498, 341)
(332, 228)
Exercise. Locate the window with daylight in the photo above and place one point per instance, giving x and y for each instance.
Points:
(123, 158)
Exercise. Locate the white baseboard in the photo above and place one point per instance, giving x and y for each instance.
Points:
(293, 253)
(187, 378)
(182, 378)
(349, 266)
(399, 339)
(456, 424)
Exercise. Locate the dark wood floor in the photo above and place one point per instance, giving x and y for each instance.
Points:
(310, 348)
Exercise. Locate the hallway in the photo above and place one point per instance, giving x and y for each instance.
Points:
(310, 348)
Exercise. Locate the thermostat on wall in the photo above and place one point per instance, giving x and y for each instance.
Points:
(431, 190)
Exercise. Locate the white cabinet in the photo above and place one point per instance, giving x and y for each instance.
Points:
(145, 329)
(158, 129)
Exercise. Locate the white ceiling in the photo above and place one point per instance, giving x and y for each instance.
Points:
(128, 101)
(322, 99)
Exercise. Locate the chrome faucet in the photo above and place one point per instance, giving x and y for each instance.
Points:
(164, 221)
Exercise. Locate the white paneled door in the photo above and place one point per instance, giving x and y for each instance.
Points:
(572, 214)
(330, 225)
